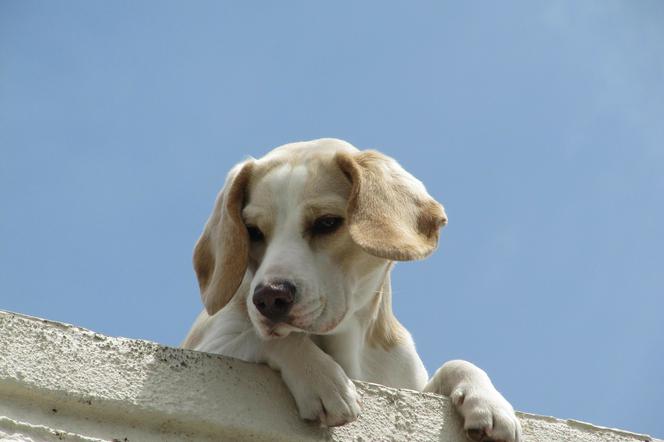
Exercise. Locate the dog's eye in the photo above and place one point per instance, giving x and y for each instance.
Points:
(255, 234)
(326, 224)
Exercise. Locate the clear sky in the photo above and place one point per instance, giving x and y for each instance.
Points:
(539, 125)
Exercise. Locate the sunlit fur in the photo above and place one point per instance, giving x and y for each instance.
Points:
(341, 324)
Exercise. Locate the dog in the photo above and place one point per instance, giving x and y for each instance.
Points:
(294, 271)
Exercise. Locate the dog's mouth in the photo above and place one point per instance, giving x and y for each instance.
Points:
(280, 330)
(277, 330)
(312, 320)
(314, 316)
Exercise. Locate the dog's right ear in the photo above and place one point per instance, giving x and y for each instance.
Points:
(222, 252)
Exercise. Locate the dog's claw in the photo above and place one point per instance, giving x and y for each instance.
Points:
(479, 435)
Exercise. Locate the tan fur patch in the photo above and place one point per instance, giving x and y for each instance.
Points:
(222, 252)
(384, 330)
(390, 213)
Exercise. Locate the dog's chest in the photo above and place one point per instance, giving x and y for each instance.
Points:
(399, 367)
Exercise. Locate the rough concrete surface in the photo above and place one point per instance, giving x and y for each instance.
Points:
(60, 382)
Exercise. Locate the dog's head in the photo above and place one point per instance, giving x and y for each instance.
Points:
(309, 227)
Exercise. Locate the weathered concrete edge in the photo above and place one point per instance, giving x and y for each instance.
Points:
(100, 406)
(585, 426)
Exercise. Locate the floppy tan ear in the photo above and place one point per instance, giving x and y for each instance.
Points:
(222, 252)
(390, 214)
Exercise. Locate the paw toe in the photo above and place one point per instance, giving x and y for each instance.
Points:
(340, 409)
(480, 435)
(311, 409)
(506, 426)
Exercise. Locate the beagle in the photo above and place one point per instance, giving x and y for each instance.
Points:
(294, 271)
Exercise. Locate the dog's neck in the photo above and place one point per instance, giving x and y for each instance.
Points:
(373, 325)
(384, 329)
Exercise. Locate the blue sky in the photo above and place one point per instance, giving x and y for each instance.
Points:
(539, 126)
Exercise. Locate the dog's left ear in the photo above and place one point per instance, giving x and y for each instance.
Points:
(222, 252)
(389, 213)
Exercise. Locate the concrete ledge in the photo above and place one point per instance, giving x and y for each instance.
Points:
(60, 382)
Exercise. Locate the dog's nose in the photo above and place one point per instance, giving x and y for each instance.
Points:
(274, 300)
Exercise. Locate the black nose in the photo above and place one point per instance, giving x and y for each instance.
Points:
(275, 299)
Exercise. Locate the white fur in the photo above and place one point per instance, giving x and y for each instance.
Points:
(326, 345)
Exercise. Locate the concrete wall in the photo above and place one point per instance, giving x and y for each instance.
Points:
(60, 382)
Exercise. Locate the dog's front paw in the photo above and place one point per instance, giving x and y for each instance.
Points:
(487, 416)
(327, 396)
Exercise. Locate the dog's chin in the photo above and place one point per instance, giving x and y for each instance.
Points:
(270, 331)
